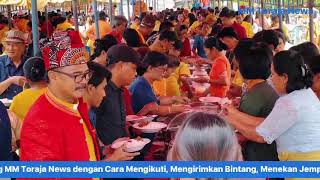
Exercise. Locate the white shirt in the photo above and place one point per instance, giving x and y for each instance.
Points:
(294, 123)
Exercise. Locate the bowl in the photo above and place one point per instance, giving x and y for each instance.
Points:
(131, 145)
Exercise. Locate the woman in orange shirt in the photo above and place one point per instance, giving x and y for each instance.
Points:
(220, 74)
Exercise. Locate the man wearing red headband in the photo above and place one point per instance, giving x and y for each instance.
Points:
(57, 127)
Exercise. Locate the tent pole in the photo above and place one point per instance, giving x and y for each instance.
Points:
(35, 32)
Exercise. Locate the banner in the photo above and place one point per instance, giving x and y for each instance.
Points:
(135, 169)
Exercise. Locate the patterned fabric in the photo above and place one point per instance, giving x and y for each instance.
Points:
(63, 49)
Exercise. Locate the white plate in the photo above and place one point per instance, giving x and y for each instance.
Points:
(210, 99)
(152, 127)
(130, 118)
(6, 102)
(131, 146)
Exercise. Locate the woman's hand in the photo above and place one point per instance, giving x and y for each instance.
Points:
(151, 108)
(229, 110)
(180, 100)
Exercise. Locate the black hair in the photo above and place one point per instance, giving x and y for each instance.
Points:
(314, 64)
(168, 35)
(34, 69)
(173, 62)
(132, 37)
(306, 49)
(136, 17)
(102, 15)
(103, 45)
(227, 13)
(254, 59)
(292, 64)
(165, 26)
(58, 20)
(99, 73)
(213, 42)
(269, 37)
(228, 32)
(248, 18)
(153, 59)
(183, 27)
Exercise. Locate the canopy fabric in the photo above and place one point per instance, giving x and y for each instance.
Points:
(41, 4)
(12, 2)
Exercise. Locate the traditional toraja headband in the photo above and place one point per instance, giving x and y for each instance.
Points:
(63, 49)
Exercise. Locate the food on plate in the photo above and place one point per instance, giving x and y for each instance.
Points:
(143, 123)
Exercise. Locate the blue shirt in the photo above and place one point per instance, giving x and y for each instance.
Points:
(199, 46)
(141, 94)
(5, 135)
(7, 69)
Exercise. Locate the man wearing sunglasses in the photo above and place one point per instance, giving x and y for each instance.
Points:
(57, 127)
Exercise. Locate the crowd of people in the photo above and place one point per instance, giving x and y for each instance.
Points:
(71, 103)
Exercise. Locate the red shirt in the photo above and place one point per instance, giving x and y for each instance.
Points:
(186, 48)
(240, 30)
(118, 36)
(46, 135)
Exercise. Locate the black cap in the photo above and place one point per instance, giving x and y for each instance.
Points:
(124, 53)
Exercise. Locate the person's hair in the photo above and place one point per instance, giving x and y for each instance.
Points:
(228, 32)
(292, 64)
(248, 18)
(183, 27)
(281, 35)
(174, 62)
(132, 37)
(227, 13)
(314, 64)
(119, 20)
(306, 49)
(168, 35)
(136, 17)
(99, 73)
(254, 59)
(212, 139)
(34, 69)
(58, 20)
(102, 15)
(275, 19)
(213, 42)
(103, 45)
(165, 26)
(153, 59)
(269, 37)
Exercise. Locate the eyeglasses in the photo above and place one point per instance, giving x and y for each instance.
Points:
(77, 78)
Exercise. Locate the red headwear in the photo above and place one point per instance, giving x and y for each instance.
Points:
(64, 49)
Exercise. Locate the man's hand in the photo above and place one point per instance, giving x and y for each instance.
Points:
(18, 80)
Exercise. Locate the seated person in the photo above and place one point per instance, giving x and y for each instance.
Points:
(93, 96)
(35, 72)
(111, 114)
(154, 66)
